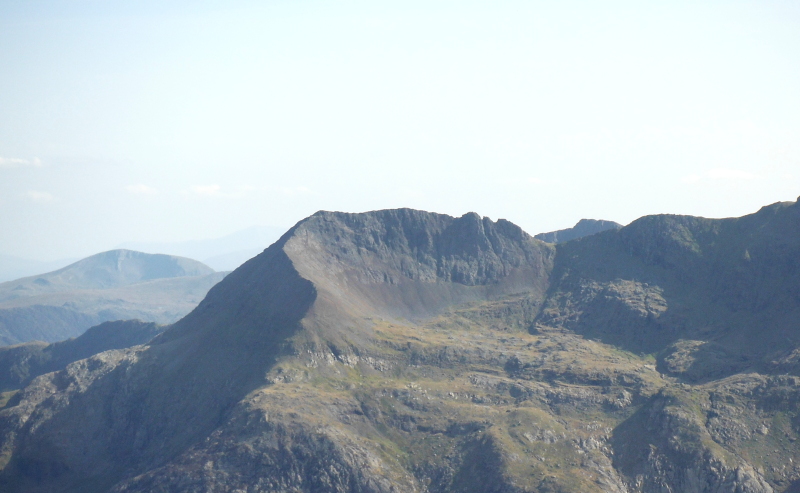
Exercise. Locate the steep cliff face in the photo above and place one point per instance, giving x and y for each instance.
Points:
(309, 292)
(665, 279)
(408, 351)
(412, 264)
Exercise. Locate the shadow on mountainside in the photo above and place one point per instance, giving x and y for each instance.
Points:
(126, 411)
(699, 292)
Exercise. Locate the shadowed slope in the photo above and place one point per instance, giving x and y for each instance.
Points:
(413, 264)
(149, 403)
(400, 351)
(313, 288)
(732, 284)
(22, 363)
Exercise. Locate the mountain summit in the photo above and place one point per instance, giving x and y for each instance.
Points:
(111, 269)
(113, 285)
(402, 350)
(584, 227)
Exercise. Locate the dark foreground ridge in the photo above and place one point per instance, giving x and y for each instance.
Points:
(408, 351)
(21, 363)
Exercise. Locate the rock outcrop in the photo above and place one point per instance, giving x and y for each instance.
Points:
(22, 363)
(408, 351)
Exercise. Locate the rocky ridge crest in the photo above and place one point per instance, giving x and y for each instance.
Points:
(408, 351)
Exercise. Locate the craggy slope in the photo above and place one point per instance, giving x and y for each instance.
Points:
(408, 351)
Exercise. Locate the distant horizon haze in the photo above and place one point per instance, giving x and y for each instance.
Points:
(174, 121)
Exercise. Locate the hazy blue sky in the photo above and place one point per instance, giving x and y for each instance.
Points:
(165, 121)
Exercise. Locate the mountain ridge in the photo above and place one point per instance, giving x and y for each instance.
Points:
(22, 363)
(412, 351)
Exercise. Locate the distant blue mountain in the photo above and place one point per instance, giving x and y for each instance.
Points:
(585, 227)
(114, 285)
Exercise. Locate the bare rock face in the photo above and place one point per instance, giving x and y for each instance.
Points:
(668, 447)
(667, 278)
(413, 264)
(408, 351)
(303, 295)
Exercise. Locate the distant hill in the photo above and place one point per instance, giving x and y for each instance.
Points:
(402, 350)
(585, 227)
(22, 363)
(105, 270)
(114, 285)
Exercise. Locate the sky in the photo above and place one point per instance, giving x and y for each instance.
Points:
(178, 120)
